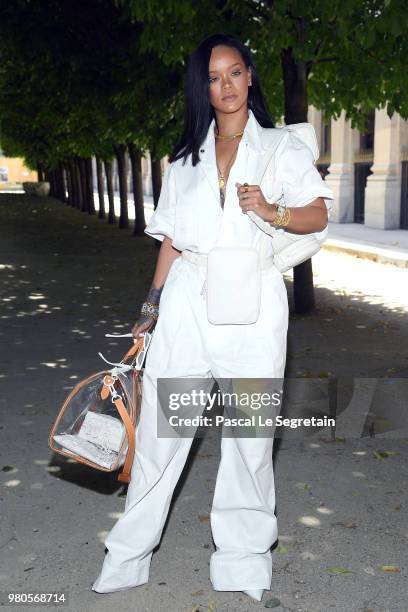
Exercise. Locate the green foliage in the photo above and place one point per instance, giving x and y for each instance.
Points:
(78, 77)
(354, 50)
(73, 81)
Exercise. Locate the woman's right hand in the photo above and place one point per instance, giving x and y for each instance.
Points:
(149, 312)
(143, 324)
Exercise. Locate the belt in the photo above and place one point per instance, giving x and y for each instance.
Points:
(200, 259)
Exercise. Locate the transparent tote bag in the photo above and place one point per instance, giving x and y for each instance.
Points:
(96, 424)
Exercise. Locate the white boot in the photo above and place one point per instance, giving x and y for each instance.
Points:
(255, 594)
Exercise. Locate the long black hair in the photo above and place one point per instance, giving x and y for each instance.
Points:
(198, 110)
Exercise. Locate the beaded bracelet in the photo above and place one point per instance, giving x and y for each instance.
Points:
(150, 309)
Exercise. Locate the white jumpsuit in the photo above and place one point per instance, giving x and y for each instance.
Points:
(185, 344)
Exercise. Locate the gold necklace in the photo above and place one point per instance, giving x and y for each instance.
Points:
(230, 137)
(221, 175)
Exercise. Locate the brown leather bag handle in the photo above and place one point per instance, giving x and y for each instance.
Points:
(125, 474)
(136, 348)
(129, 420)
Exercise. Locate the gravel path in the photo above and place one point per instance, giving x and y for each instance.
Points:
(67, 279)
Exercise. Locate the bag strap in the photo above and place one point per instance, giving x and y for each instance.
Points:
(135, 348)
(271, 138)
(129, 420)
(124, 475)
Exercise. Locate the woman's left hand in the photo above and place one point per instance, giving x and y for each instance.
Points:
(251, 198)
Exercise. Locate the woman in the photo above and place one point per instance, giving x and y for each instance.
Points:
(206, 194)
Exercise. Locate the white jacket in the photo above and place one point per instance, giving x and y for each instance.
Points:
(189, 210)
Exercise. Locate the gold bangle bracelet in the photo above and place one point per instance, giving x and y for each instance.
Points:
(278, 216)
(282, 219)
(286, 218)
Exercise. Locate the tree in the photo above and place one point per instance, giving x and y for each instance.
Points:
(102, 101)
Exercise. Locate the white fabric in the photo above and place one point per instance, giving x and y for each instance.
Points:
(243, 521)
(296, 173)
(186, 344)
(189, 211)
(201, 259)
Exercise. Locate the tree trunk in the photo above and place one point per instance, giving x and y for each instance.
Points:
(48, 174)
(295, 73)
(64, 175)
(50, 177)
(120, 152)
(78, 174)
(55, 190)
(109, 188)
(74, 183)
(101, 194)
(67, 165)
(62, 194)
(47, 177)
(89, 186)
(40, 172)
(84, 183)
(295, 87)
(135, 155)
(82, 179)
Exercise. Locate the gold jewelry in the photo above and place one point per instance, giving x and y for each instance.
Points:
(246, 187)
(278, 218)
(230, 137)
(282, 217)
(286, 218)
(221, 176)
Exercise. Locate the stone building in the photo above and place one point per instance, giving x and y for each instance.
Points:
(368, 172)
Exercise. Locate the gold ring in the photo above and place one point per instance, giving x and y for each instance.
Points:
(246, 187)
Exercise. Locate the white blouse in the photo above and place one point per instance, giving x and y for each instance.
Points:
(189, 210)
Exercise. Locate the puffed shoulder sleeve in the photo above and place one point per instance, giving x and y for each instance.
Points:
(162, 221)
(301, 180)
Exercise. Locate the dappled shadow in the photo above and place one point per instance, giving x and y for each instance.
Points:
(69, 278)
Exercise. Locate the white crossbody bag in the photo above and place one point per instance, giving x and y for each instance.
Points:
(289, 249)
(234, 274)
(233, 285)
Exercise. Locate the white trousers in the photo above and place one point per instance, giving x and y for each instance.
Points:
(243, 520)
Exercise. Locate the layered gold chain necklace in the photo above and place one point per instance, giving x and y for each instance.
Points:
(231, 137)
(222, 174)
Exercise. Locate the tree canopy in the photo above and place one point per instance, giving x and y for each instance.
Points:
(80, 77)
